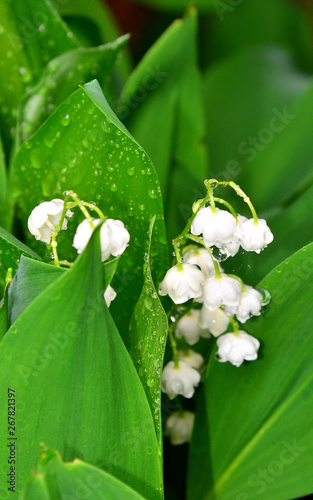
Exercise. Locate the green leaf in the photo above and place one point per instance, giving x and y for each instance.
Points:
(95, 22)
(11, 250)
(33, 277)
(70, 480)
(3, 188)
(291, 226)
(236, 26)
(31, 34)
(148, 335)
(61, 77)
(258, 86)
(163, 99)
(284, 165)
(35, 489)
(82, 146)
(253, 434)
(4, 324)
(64, 358)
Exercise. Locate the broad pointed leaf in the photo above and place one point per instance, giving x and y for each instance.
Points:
(253, 436)
(61, 77)
(83, 146)
(68, 481)
(31, 34)
(64, 359)
(148, 339)
(33, 277)
(11, 250)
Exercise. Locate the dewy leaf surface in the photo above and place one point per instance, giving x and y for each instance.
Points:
(148, 337)
(83, 146)
(163, 99)
(61, 77)
(31, 34)
(70, 370)
(253, 435)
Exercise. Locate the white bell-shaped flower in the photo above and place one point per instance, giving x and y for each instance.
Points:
(44, 217)
(109, 295)
(223, 291)
(237, 348)
(182, 285)
(178, 428)
(232, 247)
(181, 380)
(201, 258)
(250, 304)
(114, 237)
(217, 228)
(193, 358)
(216, 322)
(188, 328)
(254, 237)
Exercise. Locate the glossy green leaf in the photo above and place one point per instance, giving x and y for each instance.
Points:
(82, 146)
(253, 436)
(65, 359)
(282, 167)
(163, 99)
(148, 335)
(11, 250)
(77, 479)
(33, 277)
(248, 99)
(31, 34)
(61, 77)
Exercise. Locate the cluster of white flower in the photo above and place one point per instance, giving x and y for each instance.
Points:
(50, 217)
(219, 299)
(221, 229)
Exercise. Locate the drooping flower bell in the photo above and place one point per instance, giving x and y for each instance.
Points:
(217, 292)
(216, 322)
(44, 217)
(181, 380)
(218, 227)
(201, 258)
(250, 304)
(114, 237)
(188, 327)
(179, 427)
(193, 358)
(182, 285)
(237, 348)
(254, 237)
